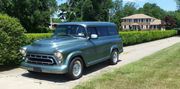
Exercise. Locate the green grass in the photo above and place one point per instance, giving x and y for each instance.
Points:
(158, 71)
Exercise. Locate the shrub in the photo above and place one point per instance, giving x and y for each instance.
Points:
(135, 37)
(12, 37)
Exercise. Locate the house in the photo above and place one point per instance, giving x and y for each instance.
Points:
(141, 22)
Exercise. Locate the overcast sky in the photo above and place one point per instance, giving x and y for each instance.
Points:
(168, 5)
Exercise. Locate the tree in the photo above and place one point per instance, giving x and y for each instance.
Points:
(73, 10)
(153, 10)
(176, 15)
(129, 9)
(6, 6)
(178, 4)
(88, 10)
(170, 22)
(101, 8)
(33, 14)
(117, 12)
(117, 6)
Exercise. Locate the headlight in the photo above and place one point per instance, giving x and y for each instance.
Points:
(58, 55)
(23, 51)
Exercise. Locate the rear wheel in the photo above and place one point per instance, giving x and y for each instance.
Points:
(75, 68)
(114, 57)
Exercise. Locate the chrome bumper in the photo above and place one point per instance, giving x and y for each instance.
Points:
(53, 69)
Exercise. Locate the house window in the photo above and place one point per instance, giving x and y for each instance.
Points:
(124, 26)
(135, 20)
(124, 20)
(150, 20)
(130, 20)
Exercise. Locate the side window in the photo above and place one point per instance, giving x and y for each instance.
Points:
(102, 31)
(91, 30)
(112, 31)
(81, 31)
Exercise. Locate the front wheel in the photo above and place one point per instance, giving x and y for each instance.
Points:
(75, 68)
(114, 57)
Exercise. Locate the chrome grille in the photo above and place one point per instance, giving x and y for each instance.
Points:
(40, 59)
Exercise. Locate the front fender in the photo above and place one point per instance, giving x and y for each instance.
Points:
(72, 55)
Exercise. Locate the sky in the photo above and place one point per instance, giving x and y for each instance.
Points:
(168, 5)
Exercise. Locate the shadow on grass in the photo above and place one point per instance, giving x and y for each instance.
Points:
(62, 78)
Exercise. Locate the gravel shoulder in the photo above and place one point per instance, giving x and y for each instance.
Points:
(21, 79)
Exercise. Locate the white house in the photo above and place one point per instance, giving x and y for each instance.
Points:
(141, 22)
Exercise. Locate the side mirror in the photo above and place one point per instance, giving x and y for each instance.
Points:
(81, 34)
(94, 36)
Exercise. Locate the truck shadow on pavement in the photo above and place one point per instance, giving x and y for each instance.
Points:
(61, 78)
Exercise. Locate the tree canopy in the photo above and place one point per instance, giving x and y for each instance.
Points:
(34, 15)
(87, 10)
(152, 9)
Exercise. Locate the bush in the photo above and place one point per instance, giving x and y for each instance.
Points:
(34, 36)
(135, 37)
(12, 37)
(129, 37)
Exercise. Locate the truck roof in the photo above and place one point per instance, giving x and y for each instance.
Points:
(86, 24)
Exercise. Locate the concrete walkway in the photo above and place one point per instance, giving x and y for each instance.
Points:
(21, 79)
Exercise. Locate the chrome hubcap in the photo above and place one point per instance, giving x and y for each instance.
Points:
(115, 57)
(77, 68)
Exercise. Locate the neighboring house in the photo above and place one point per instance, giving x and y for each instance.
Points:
(141, 22)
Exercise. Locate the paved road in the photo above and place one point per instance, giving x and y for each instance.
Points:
(21, 79)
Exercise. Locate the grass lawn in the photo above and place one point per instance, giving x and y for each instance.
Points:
(158, 71)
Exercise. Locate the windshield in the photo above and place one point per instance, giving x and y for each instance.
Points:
(70, 30)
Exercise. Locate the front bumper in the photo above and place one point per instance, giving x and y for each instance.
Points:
(53, 69)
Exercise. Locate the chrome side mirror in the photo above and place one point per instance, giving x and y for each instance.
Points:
(81, 34)
(94, 36)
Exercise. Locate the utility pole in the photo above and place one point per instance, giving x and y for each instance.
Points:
(51, 21)
(109, 13)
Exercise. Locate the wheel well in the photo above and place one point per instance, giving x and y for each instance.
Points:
(115, 49)
(80, 57)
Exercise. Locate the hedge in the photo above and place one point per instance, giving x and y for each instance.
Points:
(34, 36)
(129, 38)
(136, 37)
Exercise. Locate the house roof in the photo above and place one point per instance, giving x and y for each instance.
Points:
(138, 16)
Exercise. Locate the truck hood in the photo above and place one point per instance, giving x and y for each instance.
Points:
(54, 42)
(49, 45)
